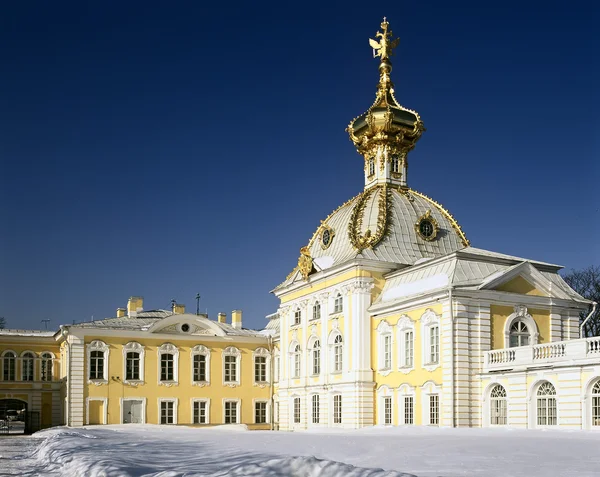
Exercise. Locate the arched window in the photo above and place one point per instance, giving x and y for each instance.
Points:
(316, 358)
(296, 361)
(46, 366)
(338, 349)
(596, 404)
(134, 361)
(316, 311)
(338, 305)
(546, 405)
(27, 363)
(519, 334)
(498, 413)
(9, 359)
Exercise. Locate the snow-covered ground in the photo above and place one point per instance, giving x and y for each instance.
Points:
(161, 451)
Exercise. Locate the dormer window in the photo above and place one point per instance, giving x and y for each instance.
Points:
(338, 304)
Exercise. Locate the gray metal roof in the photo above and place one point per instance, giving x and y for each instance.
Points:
(15, 332)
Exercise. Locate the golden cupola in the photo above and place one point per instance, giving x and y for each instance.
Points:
(387, 131)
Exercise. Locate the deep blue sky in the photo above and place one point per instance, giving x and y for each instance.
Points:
(168, 149)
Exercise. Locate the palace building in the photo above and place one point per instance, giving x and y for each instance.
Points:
(390, 317)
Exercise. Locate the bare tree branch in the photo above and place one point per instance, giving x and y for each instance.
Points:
(586, 282)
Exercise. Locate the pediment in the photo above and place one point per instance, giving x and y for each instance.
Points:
(523, 279)
(187, 325)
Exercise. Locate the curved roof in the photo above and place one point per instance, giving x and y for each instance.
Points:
(386, 216)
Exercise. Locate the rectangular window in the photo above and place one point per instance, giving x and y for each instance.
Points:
(316, 312)
(97, 365)
(199, 368)
(46, 368)
(596, 410)
(200, 412)
(166, 367)
(297, 317)
(337, 357)
(434, 341)
(297, 410)
(316, 361)
(387, 352)
(408, 349)
(434, 409)
(132, 366)
(408, 410)
(546, 415)
(260, 412)
(297, 363)
(316, 409)
(338, 304)
(260, 369)
(9, 368)
(27, 364)
(167, 414)
(230, 369)
(231, 414)
(337, 409)
(387, 410)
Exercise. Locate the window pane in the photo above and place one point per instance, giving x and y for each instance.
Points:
(408, 410)
(316, 410)
(434, 409)
(337, 409)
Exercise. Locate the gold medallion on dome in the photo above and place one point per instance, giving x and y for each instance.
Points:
(427, 227)
(326, 236)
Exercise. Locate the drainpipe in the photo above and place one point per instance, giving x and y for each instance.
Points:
(453, 385)
(594, 304)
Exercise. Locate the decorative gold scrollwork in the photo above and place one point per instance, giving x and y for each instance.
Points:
(369, 239)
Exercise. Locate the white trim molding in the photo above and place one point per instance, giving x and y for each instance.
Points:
(521, 314)
(262, 353)
(104, 409)
(134, 347)
(384, 331)
(165, 400)
(383, 392)
(406, 355)
(200, 350)
(227, 352)
(238, 417)
(206, 401)
(405, 391)
(143, 401)
(168, 348)
(267, 410)
(428, 389)
(430, 349)
(97, 345)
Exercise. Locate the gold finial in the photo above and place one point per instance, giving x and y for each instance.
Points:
(384, 48)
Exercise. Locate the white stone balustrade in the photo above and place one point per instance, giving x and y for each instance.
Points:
(580, 351)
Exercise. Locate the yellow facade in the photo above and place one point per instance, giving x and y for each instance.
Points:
(498, 316)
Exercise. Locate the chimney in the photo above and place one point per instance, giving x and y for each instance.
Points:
(178, 308)
(236, 319)
(222, 318)
(121, 312)
(134, 304)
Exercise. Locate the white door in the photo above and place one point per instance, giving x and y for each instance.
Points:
(132, 412)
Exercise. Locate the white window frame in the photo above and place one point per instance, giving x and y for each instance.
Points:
(297, 317)
(143, 399)
(336, 352)
(232, 351)
(97, 345)
(497, 402)
(133, 347)
(521, 314)
(334, 411)
(44, 360)
(406, 391)
(405, 327)
(238, 417)
(546, 397)
(395, 165)
(316, 311)
(338, 303)
(594, 403)
(315, 411)
(430, 320)
(168, 348)
(262, 353)
(200, 350)
(312, 350)
(299, 413)
(384, 392)
(206, 401)
(428, 389)
(165, 400)
(33, 359)
(267, 410)
(384, 330)
(295, 360)
(104, 409)
(5, 358)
